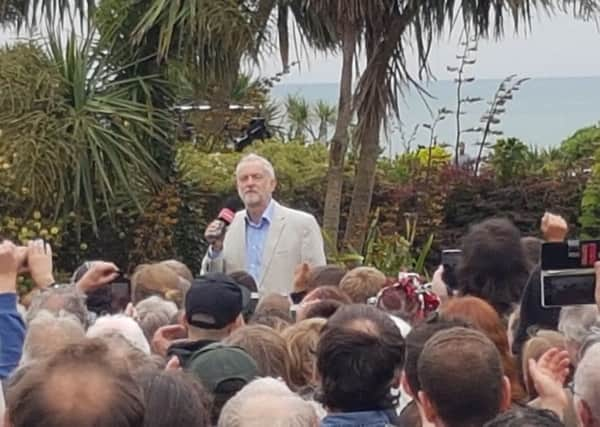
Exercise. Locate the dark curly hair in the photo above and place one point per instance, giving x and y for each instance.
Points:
(493, 266)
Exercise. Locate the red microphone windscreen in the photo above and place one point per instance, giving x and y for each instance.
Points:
(226, 215)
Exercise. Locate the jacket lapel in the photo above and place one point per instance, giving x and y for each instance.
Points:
(237, 233)
(275, 231)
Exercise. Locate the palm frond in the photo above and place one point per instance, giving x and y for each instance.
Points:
(80, 137)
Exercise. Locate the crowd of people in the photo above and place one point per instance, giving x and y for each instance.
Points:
(269, 334)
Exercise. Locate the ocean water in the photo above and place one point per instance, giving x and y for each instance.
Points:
(543, 113)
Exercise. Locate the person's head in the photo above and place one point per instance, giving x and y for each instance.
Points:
(534, 348)
(81, 385)
(180, 268)
(325, 275)
(48, 333)
(223, 370)
(493, 266)
(587, 388)
(532, 248)
(327, 292)
(266, 346)
(153, 313)
(525, 416)
(160, 280)
(121, 324)
(244, 279)
(415, 341)
(275, 319)
(575, 323)
(214, 307)
(267, 398)
(462, 382)
(174, 399)
(323, 309)
(359, 359)
(273, 303)
(301, 340)
(483, 317)
(362, 283)
(64, 298)
(127, 353)
(255, 178)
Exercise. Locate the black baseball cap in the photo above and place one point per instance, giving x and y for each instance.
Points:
(214, 301)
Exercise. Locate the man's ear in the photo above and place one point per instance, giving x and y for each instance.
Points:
(428, 407)
(406, 386)
(584, 414)
(239, 322)
(506, 401)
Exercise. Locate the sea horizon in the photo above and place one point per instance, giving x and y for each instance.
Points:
(545, 111)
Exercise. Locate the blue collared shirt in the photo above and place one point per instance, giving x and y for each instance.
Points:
(256, 236)
(357, 419)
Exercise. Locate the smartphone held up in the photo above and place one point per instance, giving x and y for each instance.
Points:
(567, 272)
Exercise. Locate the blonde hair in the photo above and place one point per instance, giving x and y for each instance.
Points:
(266, 346)
(301, 340)
(160, 280)
(362, 283)
(180, 268)
(534, 348)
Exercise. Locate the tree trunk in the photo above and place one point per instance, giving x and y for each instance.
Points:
(339, 143)
(358, 218)
(322, 138)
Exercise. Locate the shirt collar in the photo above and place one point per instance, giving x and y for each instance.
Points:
(266, 216)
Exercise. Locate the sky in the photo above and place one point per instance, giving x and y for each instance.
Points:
(557, 46)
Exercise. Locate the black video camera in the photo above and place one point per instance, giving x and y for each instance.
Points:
(567, 273)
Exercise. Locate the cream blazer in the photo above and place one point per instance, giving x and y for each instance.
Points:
(294, 237)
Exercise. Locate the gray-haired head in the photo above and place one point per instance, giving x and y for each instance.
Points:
(576, 321)
(267, 396)
(576, 324)
(47, 333)
(587, 383)
(64, 298)
(153, 313)
(122, 324)
(252, 157)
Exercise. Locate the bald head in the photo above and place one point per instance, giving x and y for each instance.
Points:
(461, 376)
(79, 385)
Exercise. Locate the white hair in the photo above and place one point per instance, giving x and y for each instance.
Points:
(153, 313)
(587, 379)
(48, 332)
(267, 396)
(576, 321)
(252, 157)
(123, 325)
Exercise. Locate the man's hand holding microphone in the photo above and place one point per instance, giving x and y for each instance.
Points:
(215, 232)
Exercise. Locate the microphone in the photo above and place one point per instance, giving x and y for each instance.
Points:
(226, 215)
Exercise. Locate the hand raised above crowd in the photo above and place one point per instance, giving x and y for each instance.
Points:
(99, 274)
(11, 259)
(39, 263)
(554, 227)
(549, 374)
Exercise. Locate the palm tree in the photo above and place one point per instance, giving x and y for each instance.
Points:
(75, 137)
(299, 118)
(346, 18)
(325, 114)
(392, 27)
